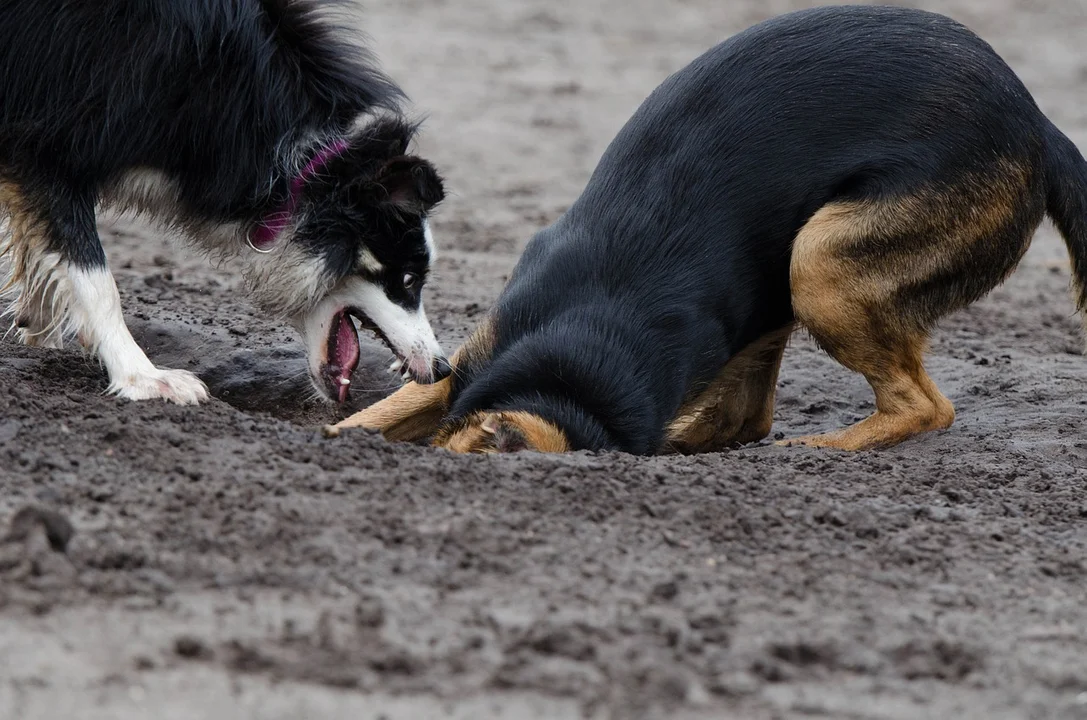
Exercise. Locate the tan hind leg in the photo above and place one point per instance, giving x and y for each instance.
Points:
(907, 401)
(415, 411)
(738, 405)
(869, 279)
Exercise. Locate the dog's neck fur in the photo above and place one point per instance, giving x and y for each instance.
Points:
(264, 233)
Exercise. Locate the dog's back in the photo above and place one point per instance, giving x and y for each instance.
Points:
(95, 89)
(724, 163)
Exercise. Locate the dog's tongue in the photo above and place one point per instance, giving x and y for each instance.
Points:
(343, 351)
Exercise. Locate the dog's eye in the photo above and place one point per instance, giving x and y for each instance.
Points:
(409, 280)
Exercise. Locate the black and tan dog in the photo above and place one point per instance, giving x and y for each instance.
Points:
(859, 171)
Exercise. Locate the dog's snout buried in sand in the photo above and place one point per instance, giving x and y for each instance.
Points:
(857, 171)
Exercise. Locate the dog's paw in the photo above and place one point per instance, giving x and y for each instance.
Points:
(177, 386)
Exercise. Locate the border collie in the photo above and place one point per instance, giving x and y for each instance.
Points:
(859, 171)
(257, 129)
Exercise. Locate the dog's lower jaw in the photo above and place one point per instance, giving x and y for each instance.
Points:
(407, 333)
(94, 313)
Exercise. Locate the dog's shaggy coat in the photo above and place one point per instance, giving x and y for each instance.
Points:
(255, 127)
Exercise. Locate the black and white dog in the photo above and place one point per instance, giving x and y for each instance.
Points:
(257, 129)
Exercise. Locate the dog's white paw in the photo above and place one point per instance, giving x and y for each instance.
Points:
(177, 386)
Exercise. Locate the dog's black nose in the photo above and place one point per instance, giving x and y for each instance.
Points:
(442, 369)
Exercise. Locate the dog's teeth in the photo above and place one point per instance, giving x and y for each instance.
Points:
(345, 381)
(397, 364)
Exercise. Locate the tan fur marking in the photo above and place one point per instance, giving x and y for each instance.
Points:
(478, 347)
(737, 407)
(415, 412)
(499, 432)
(369, 262)
(855, 305)
(817, 258)
(908, 403)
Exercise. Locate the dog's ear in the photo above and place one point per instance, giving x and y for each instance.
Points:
(408, 184)
(505, 432)
(392, 136)
(516, 431)
(506, 435)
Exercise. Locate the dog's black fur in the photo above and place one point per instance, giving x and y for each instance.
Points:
(677, 254)
(227, 100)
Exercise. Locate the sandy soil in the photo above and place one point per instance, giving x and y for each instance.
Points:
(227, 562)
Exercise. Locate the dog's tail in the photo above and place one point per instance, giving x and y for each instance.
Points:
(1066, 180)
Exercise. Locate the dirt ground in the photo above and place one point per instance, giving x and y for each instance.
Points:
(227, 562)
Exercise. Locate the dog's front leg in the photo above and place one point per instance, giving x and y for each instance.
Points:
(65, 287)
(412, 413)
(100, 326)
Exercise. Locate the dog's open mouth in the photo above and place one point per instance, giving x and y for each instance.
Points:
(343, 355)
(344, 351)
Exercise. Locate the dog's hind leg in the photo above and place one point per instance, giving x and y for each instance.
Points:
(64, 286)
(737, 407)
(870, 278)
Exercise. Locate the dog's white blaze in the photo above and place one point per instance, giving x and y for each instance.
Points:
(96, 318)
(428, 237)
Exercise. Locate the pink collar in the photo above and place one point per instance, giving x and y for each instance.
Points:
(263, 234)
